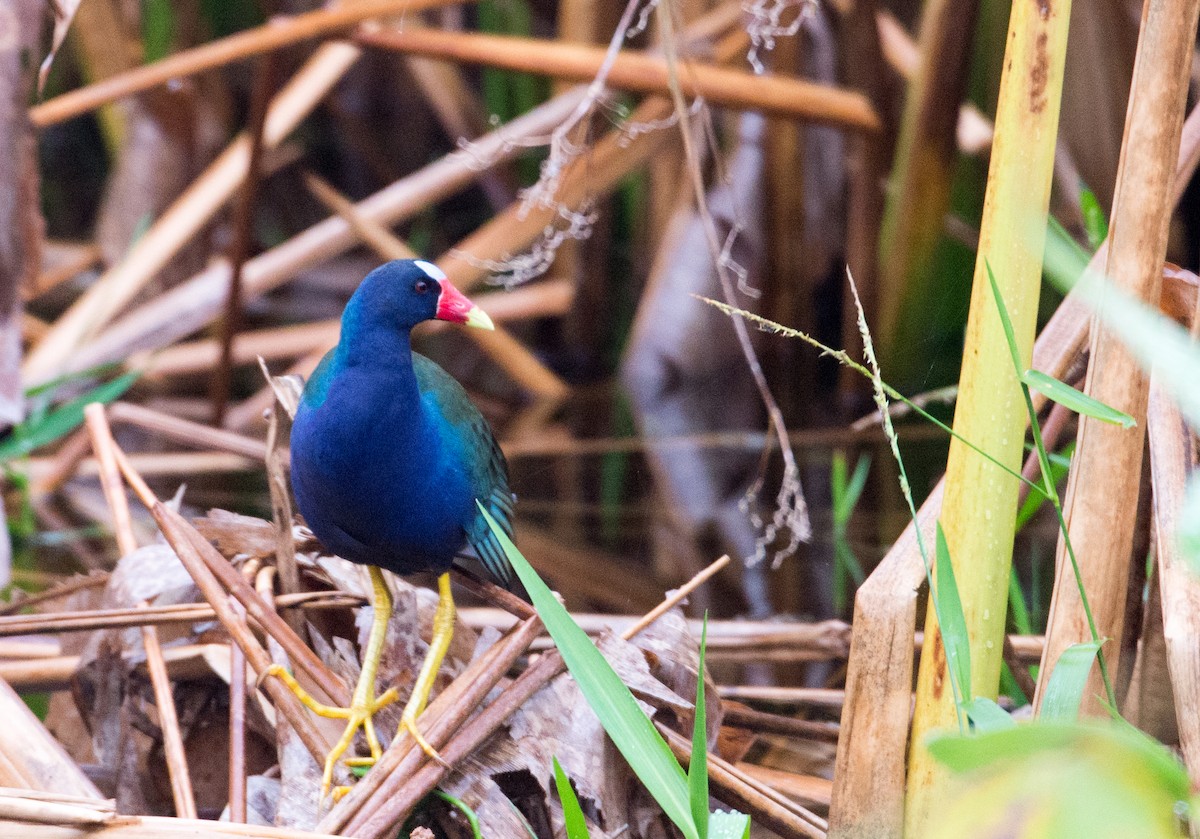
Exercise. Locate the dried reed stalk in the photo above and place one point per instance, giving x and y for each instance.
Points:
(30, 757)
(1172, 462)
(93, 619)
(809, 790)
(821, 641)
(187, 432)
(28, 816)
(1101, 497)
(279, 32)
(188, 662)
(164, 699)
(194, 552)
(639, 73)
(155, 464)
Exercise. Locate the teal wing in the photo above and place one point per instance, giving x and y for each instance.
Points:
(317, 386)
(488, 470)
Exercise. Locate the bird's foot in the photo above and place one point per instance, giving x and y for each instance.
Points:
(357, 716)
(408, 723)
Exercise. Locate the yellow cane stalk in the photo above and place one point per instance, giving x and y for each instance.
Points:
(980, 503)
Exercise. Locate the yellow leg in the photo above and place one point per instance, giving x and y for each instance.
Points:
(443, 632)
(364, 702)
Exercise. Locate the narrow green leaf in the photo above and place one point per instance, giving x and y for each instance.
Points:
(697, 775)
(1188, 534)
(1034, 501)
(469, 814)
(25, 438)
(1156, 341)
(68, 378)
(576, 824)
(1094, 221)
(728, 825)
(986, 715)
(1064, 690)
(847, 491)
(952, 621)
(1076, 400)
(158, 28)
(631, 730)
(1005, 321)
(1016, 605)
(838, 479)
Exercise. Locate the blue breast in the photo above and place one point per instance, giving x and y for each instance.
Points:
(380, 474)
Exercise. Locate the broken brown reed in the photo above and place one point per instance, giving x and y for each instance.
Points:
(187, 432)
(281, 518)
(639, 72)
(164, 699)
(25, 815)
(93, 619)
(237, 727)
(1173, 462)
(763, 722)
(277, 33)
(196, 555)
(243, 235)
(818, 697)
(20, 600)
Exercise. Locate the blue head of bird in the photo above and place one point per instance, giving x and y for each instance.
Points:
(400, 294)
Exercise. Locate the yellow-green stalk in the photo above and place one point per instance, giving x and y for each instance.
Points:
(980, 503)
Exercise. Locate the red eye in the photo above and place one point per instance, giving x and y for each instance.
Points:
(420, 287)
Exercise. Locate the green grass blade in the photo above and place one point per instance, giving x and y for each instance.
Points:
(1064, 690)
(1022, 623)
(1076, 400)
(952, 621)
(1005, 321)
(847, 490)
(728, 825)
(1094, 221)
(26, 438)
(462, 807)
(985, 716)
(1156, 341)
(697, 774)
(1188, 534)
(631, 731)
(68, 378)
(1034, 501)
(576, 824)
